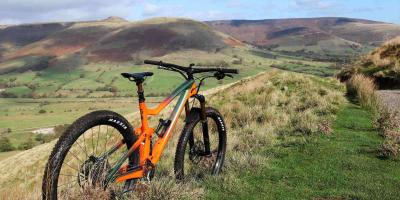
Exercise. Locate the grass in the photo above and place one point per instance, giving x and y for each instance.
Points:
(91, 83)
(363, 88)
(85, 79)
(260, 111)
(325, 167)
(58, 111)
(386, 121)
(4, 155)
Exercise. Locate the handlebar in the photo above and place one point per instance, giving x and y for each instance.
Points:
(191, 70)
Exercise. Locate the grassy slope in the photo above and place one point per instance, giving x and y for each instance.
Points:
(270, 155)
(341, 165)
(382, 64)
(279, 93)
(66, 110)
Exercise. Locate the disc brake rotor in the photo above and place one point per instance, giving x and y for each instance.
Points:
(93, 172)
(196, 152)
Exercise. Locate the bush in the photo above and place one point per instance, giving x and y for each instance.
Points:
(42, 111)
(388, 124)
(5, 144)
(60, 129)
(7, 95)
(363, 88)
(29, 144)
(45, 138)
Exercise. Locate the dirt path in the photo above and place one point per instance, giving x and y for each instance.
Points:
(391, 98)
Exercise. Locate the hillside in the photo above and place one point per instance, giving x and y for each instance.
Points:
(116, 40)
(319, 35)
(49, 60)
(383, 64)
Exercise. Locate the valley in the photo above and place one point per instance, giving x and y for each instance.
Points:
(286, 112)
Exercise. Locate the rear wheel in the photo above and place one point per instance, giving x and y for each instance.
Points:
(191, 156)
(76, 169)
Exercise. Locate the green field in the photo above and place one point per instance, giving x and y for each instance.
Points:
(342, 165)
(23, 115)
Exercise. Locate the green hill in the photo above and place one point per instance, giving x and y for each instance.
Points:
(85, 58)
(383, 64)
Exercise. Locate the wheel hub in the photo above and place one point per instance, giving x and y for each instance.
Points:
(196, 152)
(93, 172)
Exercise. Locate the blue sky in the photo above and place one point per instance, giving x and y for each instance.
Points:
(28, 11)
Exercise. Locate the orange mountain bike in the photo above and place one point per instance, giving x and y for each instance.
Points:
(91, 153)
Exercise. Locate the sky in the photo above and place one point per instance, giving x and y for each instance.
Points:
(33, 11)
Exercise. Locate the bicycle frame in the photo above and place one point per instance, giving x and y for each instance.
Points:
(148, 159)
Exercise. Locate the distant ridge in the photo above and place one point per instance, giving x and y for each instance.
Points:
(337, 34)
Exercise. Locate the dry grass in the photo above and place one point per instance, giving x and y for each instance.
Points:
(363, 88)
(383, 63)
(387, 121)
(257, 112)
(387, 54)
(388, 124)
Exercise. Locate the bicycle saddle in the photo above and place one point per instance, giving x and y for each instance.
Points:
(137, 76)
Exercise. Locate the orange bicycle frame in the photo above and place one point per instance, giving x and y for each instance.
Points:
(150, 158)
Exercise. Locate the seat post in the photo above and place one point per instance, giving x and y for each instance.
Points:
(140, 91)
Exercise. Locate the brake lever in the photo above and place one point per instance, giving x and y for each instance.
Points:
(164, 68)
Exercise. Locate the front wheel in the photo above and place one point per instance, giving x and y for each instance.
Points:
(201, 146)
(77, 168)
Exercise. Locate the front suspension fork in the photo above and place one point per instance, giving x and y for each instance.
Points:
(204, 124)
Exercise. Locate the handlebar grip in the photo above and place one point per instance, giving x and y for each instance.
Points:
(153, 62)
(231, 71)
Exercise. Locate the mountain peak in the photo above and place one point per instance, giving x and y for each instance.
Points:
(115, 19)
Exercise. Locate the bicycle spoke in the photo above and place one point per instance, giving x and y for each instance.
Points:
(74, 181)
(75, 156)
(92, 141)
(71, 167)
(105, 144)
(84, 143)
(82, 148)
(70, 175)
(97, 142)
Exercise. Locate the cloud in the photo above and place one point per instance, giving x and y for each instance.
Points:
(313, 4)
(9, 21)
(151, 10)
(25, 11)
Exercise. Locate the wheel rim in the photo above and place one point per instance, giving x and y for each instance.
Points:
(195, 164)
(83, 172)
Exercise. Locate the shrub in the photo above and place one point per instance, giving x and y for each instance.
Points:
(363, 88)
(60, 129)
(5, 144)
(7, 95)
(28, 144)
(391, 144)
(42, 111)
(388, 124)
